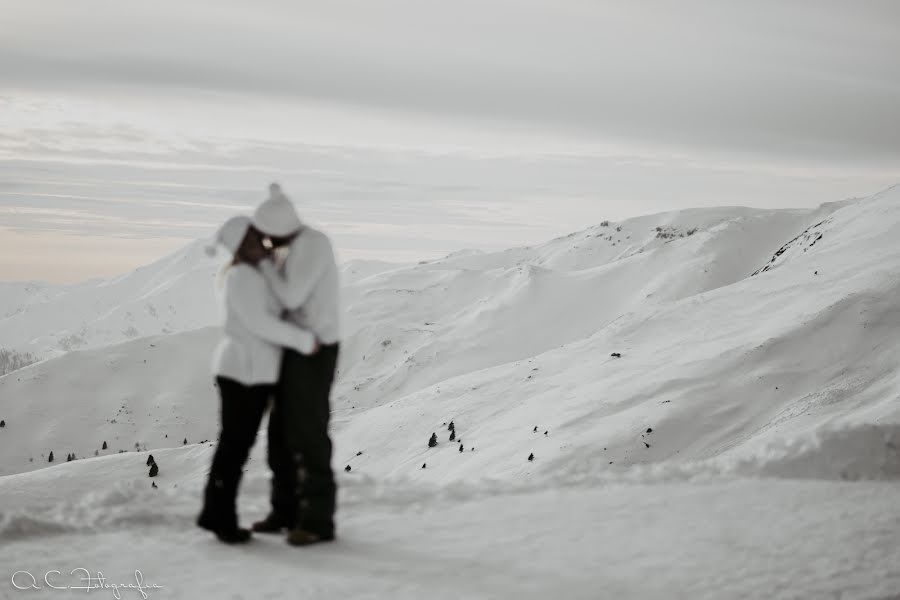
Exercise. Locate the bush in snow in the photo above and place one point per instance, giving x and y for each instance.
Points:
(104, 446)
(150, 460)
(433, 441)
(452, 435)
(2, 423)
(50, 458)
(10, 360)
(154, 470)
(531, 456)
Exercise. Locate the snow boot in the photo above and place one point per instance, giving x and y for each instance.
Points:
(228, 533)
(304, 537)
(271, 524)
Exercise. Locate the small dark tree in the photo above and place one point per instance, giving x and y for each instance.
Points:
(104, 445)
(433, 441)
(151, 460)
(153, 485)
(535, 429)
(347, 468)
(2, 423)
(154, 470)
(531, 456)
(50, 458)
(423, 465)
(185, 442)
(461, 449)
(68, 458)
(451, 426)
(452, 435)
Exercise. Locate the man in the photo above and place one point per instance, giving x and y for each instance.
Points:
(303, 487)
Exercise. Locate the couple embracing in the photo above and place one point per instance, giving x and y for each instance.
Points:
(279, 351)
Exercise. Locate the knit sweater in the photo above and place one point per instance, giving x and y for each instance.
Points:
(308, 286)
(254, 334)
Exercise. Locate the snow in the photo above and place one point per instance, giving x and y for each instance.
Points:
(744, 445)
(583, 538)
(174, 294)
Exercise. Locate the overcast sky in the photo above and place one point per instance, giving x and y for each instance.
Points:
(411, 128)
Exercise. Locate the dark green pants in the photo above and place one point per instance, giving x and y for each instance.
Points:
(303, 487)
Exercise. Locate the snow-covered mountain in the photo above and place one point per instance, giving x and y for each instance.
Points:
(504, 342)
(176, 293)
(727, 345)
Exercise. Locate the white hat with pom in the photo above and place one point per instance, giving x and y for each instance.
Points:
(230, 234)
(276, 216)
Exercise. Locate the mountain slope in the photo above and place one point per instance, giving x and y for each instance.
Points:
(519, 343)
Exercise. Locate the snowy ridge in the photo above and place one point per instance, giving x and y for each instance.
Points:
(409, 328)
(177, 293)
(713, 361)
(174, 294)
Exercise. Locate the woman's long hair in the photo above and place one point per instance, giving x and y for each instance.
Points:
(237, 259)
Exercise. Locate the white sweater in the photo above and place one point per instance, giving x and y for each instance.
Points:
(254, 333)
(309, 287)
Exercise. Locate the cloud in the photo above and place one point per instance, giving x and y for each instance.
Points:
(793, 79)
(411, 128)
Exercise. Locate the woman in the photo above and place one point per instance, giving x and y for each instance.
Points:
(246, 364)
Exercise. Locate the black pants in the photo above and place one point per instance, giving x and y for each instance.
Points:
(241, 413)
(303, 487)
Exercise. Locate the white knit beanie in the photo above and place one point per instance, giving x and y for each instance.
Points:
(276, 216)
(231, 234)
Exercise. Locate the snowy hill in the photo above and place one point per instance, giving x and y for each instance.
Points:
(759, 354)
(173, 294)
(508, 341)
(177, 293)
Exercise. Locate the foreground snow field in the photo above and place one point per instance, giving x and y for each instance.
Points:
(744, 443)
(649, 535)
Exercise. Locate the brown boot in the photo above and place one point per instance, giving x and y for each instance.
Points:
(302, 537)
